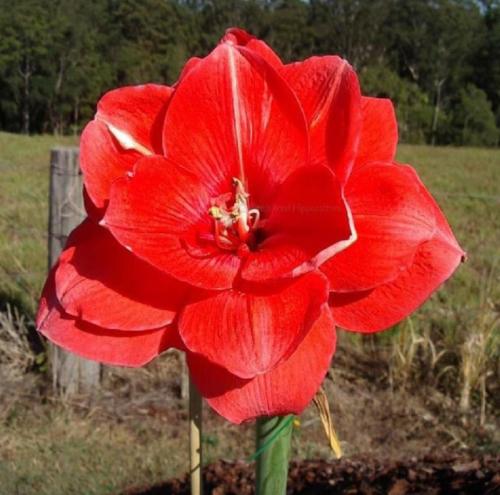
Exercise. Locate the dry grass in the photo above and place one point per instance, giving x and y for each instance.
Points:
(461, 360)
(480, 349)
(16, 355)
(408, 349)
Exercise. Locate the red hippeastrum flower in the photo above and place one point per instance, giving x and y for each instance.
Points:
(240, 215)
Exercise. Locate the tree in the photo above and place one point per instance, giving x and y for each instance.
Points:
(58, 57)
(487, 65)
(433, 42)
(24, 49)
(290, 32)
(215, 16)
(474, 119)
(413, 108)
(152, 40)
(354, 29)
(79, 72)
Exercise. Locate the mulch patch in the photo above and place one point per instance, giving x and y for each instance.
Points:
(433, 475)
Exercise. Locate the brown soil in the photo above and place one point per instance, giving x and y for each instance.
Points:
(440, 475)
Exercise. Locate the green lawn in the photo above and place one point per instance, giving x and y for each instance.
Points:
(24, 180)
(465, 181)
(466, 184)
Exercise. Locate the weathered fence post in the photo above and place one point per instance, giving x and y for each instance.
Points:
(184, 391)
(70, 373)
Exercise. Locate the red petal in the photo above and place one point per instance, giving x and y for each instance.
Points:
(237, 35)
(393, 214)
(92, 210)
(233, 116)
(328, 90)
(384, 306)
(159, 213)
(249, 332)
(99, 344)
(137, 111)
(287, 389)
(100, 282)
(188, 66)
(102, 160)
(379, 131)
(308, 223)
(242, 38)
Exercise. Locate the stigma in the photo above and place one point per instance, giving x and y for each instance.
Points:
(233, 220)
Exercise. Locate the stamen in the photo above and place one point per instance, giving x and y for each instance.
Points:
(254, 215)
(215, 212)
(233, 225)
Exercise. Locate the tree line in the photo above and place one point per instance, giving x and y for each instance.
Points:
(438, 60)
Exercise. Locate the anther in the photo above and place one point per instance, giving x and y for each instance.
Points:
(214, 212)
(233, 224)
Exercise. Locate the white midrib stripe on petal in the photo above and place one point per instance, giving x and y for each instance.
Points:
(126, 141)
(235, 98)
(330, 251)
(333, 88)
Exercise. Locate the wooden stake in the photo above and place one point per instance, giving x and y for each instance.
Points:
(70, 373)
(195, 432)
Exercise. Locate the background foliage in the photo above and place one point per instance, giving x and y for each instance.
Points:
(439, 60)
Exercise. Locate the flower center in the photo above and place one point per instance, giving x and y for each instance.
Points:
(234, 222)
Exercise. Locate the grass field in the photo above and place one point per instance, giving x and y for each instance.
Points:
(465, 181)
(135, 433)
(24, 182)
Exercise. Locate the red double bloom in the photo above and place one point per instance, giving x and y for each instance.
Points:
(240, 216)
